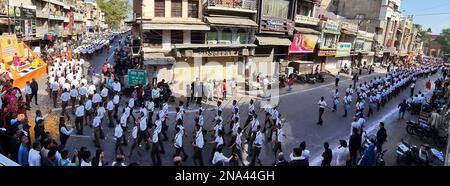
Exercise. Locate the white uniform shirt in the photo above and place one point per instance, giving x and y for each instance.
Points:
(322, 104)
(259, 139)
(116, 100)
(104, 92)
(88, 105)
(79, 112)
(199, 142)
(178, 140)
(96, 98)
(73, 93)
(65, 96)
(110, 105)
(118, 132)
(96, 122)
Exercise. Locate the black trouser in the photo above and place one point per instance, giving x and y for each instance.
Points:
(123, 137)
(118, 145)
(63, 111)
(88, 117)
(55, 96)
(110, 119)
(370, 112)
(337, 82)
(28, 99)
(82, 99)
(321, 111)
(379, 146)
(161, 145)
(378, 106)
(73, 101)
(142, 135)
(63, 139)
(412, 92)
(164, 130)
(276, 147)
(198, 156)
(255, 156)
(156, 158)
(249, 119)
(79, 124)
(154, 81)
(353, 157)
(238, 152)
(181, 149)
(116, 108)
(97, 131)
(34, 94)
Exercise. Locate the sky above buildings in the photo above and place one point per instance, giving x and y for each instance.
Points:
(434, 14)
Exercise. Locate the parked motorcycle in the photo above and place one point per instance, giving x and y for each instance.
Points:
(426, 132)
(307, 78)
(424, 156)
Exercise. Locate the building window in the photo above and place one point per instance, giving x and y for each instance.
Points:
(176, 36)
(212, 36)
(241, 38)
(329, 41)
(197, 37)
(160, 6)
(177, 8)
(153, 39)
(193, 8)
(305, 9)
(227, 37)
(277, 8)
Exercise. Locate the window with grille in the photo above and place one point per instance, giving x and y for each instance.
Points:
(176, 36)
(153, 39)
(197, 37)
(160, 6)
(193, 8)
(177, 8)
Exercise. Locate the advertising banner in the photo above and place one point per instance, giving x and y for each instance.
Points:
(303, 43)
(343, 49)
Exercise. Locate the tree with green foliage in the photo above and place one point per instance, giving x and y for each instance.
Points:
(444, 40)
(115, 11)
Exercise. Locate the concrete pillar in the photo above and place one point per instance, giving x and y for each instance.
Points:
(186, 37)
(168, 9)
(166, 45)
(148, 8)
(184, 11)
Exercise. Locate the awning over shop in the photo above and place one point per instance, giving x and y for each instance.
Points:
(302, 62)
(187, 46)
(158, 59)
(349, 32)
(306, 31)
(175, 26)
(273, 41)
(232, 21)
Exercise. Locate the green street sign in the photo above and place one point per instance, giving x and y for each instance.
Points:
(137, 77)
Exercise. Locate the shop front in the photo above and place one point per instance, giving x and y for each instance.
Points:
(210, 63)
(328, 44)
(301, 53)
(271, 55)
(343, 53)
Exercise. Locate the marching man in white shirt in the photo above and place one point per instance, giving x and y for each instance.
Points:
(259, 140)
(65, 96)
(322, 105)
(73, 97)
(110, 110)
(79, 117)
(118, 136)
(28, 93)
(198, 144)
(178, 143)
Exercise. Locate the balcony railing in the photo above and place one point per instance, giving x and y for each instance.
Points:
(306, 20)
(233, 4)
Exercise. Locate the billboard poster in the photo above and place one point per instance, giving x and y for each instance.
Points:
(303, 43)
(343, 49)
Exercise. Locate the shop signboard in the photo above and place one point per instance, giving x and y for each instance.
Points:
(137, 77)
(343, 49)
(303, 43)
(326, 53)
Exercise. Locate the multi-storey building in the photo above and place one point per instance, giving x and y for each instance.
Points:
(22, 16)
(381, 17)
